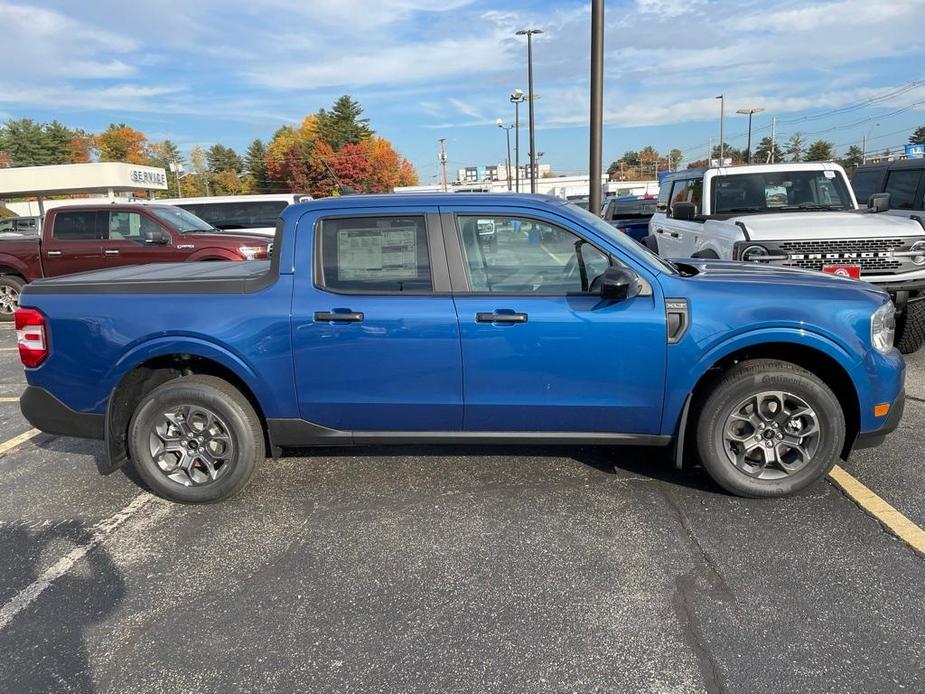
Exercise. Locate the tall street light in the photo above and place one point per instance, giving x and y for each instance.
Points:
(517, 98)
(597, 108)
(529, 34)
(722, 125)
(749, 112)
(507, 131)
(864, 143)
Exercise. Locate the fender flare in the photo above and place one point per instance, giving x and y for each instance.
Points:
(706, 253)
(683, 383)
(11, 261)
(212, 254)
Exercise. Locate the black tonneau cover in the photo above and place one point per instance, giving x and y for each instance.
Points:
(216, 277)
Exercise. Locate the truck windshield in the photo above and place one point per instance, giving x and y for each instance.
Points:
(780, 191)
(181, 220)
(619, 239)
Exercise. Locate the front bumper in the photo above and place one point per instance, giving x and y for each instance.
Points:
(45, 412)
(872, 439)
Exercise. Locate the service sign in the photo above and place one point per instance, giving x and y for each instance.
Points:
(148, 177)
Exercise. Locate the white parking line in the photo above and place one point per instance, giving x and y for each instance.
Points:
(7, 446)
(98, 534)
(9, 349)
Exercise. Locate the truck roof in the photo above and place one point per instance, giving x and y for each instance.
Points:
(756, 168)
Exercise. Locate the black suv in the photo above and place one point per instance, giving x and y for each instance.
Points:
(904, 180)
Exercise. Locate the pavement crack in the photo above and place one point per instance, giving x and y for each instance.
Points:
(704, 579)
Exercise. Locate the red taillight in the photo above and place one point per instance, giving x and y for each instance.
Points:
(32, 337)
(623, 229)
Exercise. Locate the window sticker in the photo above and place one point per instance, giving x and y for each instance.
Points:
(829, 174)
(378, 254)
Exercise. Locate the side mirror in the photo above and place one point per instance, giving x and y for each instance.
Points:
(684, 211)
(879, 202)
(619, 283)
(157, 237)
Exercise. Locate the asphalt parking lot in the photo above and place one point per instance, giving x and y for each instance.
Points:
(459, 570)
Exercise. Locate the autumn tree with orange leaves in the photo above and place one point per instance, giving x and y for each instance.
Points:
(122, 143)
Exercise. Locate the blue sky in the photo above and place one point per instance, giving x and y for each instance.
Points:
(206, 71)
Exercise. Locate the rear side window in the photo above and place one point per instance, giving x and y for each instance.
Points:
(902, 187)
(865, 184)
(381, 255)
(81, 225)
(238, 215)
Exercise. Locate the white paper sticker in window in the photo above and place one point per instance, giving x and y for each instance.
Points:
(829, 174)
(377, 254)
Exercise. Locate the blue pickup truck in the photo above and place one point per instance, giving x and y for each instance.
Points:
(392, 320)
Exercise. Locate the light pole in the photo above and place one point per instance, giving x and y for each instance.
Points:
(864, 143)
(749, 112)
(722, 125)
(507, 131)
(597, 105)
(529, 34)
(517, 98)
(442, 142)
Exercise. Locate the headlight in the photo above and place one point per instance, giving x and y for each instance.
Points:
(883, 328)
(253, 252)
(919, 248)
(754, 253)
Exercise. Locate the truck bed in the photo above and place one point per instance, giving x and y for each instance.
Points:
(163, 278)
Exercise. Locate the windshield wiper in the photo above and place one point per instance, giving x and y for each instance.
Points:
(745, 209)
(811, 206)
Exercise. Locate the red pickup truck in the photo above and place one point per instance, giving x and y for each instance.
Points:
(93, 237)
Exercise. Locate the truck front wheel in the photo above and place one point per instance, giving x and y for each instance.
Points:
(910, 327)
(195, 439)
(769, 428)
(10, 289)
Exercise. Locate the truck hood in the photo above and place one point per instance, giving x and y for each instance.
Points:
(734, 271)
(786, 226)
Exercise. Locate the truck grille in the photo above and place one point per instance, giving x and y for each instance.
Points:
(872, 255)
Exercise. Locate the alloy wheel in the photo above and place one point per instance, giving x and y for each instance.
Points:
(192, 445)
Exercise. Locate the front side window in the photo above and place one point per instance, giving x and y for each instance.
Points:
(375, 255)
(780, 191)
(130, 226)
(902, 186)
(664, 195)
(527, 256)
(865, 184)
(690, 190)
(80, 225)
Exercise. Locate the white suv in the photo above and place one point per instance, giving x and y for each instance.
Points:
(797, 215)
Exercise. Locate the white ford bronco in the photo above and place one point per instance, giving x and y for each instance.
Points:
(799, 215)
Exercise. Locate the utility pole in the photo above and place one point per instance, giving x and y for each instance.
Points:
(530, 95)
(517, 97)
(597, 107)
(722, 125)
(442, 140)
(710, 152)
(507, 131)
(773, 138)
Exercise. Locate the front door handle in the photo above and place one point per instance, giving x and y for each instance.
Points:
(659, 231)
(486, 317)
(52, 252)
(111, 251)
(338, 316)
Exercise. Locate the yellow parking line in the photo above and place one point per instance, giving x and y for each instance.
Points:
(7, 446)
(8, 349)
(9, 399)
(897, 523)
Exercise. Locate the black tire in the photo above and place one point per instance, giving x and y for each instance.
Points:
(232, 412)
(10, 291)
(751, 378)
(651, 243)
(910, 327)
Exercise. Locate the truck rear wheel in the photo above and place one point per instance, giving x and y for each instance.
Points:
(910, 327)
(195, 439)
(769, 428)
(10, 289)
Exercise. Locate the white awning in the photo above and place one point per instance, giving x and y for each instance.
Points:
(64, 179)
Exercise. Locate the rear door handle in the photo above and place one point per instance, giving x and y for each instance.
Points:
(111, 251)
(52, 252)
(486, 317)
(659, 231)
(338, 316)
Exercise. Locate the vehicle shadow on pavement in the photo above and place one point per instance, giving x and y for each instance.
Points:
(43, 644)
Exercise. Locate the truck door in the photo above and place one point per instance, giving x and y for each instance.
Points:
(72, 242)
(684, 237)
(124, 242)
(541, 350)
(375, 340)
